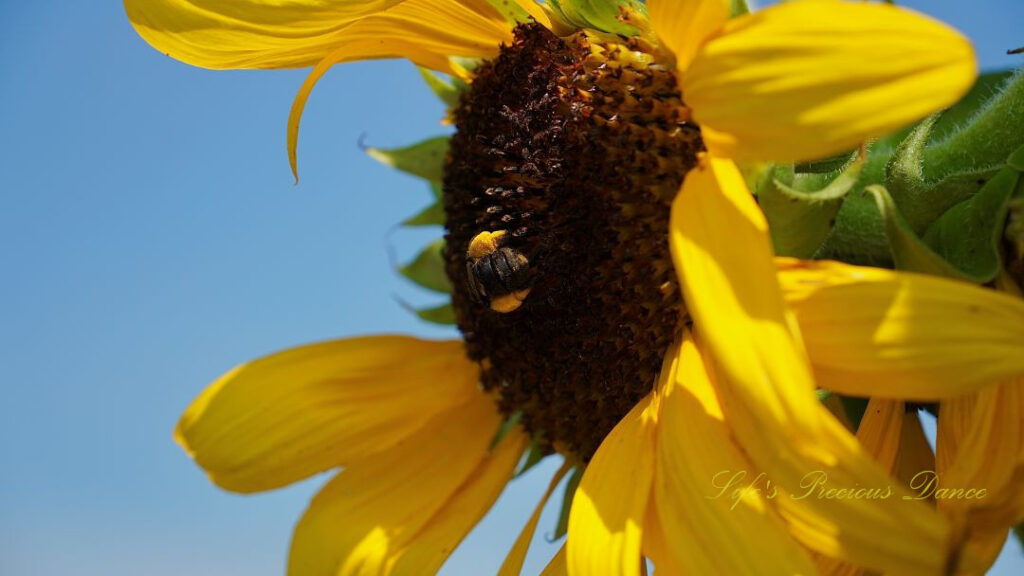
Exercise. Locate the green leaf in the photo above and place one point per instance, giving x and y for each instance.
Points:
(506, 427)
(428, 269)
(986, 86)
(904, 174)
(466, 63)
(855, 408)
(968, 235)
(986, 138)
(908, 251)
(950, 172)
(562, 526)
(512, 12)
(922, 202)
(826, 166)
(738, 8)
(533, 457)
(601, 15)
(443, 314)
(432, 215)
(424, 159)
(447, 90)
(801, 213)
(1018, 530)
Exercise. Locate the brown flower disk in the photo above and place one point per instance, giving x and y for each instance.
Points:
(576, 148)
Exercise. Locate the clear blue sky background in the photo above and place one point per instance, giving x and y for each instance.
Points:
(151, 238)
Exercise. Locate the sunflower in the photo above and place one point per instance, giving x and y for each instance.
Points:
(615, 285)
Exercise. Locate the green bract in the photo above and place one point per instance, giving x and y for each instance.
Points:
(934, 198)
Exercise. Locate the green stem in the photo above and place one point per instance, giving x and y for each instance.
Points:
(984, 141)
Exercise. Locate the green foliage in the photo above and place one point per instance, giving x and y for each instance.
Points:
(428, 269)
(801, 208)
(969, 234)
(738, 8)
(443, 314)
(432, 215)
(447, 90)
(964, 240)
(424, 159)
(908, 251)
(987, 138)
(854, 408)
(562, 525)
(533, 456)
(601, 15)
(512, 12)
(937, 211)
(506, 427)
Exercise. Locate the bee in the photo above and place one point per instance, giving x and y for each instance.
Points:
(498, 274)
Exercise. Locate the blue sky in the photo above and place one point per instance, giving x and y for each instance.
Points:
(151, 238)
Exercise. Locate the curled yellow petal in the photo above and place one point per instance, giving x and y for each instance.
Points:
(424, 31)
(988, 455)
(289, 415)
(607, 515)
(513, 563)
(714, 508)
(875, 332)
(980, 448)
(682, 25)
(812, 78)
(721, 247)
(247, 33)
(369, 515)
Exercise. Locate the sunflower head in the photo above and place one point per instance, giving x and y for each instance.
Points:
(571, 149)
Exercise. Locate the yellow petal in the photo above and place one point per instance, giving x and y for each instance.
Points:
(720, 243)
(607, 514)
(916, 454)
(812, 78)
(513, 563)
(424, 31)
(557, 567)
(256, 33)
(981, 447)
(875, 332)
(372, 511)
(989, 456)
(246, 33)
(880, 431)
(429, 549)
(715, 509)
(287, 416)
(683, 25)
